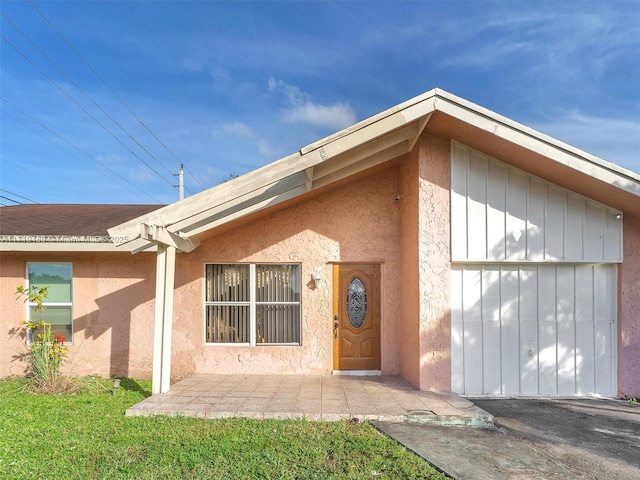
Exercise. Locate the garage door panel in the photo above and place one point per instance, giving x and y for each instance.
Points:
(585, 352)
(534, 330)
(473, 357)
(509, 294)
(457, 356)
(565, 298)
(527, 293)
(566, 351)
(528, 358)
(603, 357)
(491, 360)
(547, 358)
(510, 350)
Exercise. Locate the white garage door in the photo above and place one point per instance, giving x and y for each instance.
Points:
(546, 330)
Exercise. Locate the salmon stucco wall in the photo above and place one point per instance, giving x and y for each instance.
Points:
(357, 222)
(113, 298)
(409, 327)
(435, 264)
(425, 265)
(628, 311)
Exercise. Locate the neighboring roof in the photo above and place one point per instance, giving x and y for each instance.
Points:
(63, 226)
(372, 142)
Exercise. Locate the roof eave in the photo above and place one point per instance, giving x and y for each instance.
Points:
(372, 141)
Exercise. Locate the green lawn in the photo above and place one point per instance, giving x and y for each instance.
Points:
(87, 436)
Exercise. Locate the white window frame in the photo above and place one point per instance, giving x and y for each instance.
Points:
(45, 303)
(252, 303)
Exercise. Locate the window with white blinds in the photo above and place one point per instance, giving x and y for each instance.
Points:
(255, 304)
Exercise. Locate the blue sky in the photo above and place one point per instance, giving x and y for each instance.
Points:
(226, 87)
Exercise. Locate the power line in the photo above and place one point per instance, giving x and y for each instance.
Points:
(81, 90)
(83, 109)
(46, 19)
(11, 200)
(16, 195)
(194, 177)
(72, 145)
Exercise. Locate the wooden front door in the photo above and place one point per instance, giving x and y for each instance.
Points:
(356, 317)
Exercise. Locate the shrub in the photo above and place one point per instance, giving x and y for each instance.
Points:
(46, 351)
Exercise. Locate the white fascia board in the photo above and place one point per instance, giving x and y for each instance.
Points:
(538, 142)
(57, 247)
(184, 209)
(255, 207)
(376, 125)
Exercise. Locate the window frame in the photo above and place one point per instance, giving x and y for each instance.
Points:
(29, 305)
(252, 303)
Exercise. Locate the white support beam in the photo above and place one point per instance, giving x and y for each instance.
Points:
(353, 168)
(365, 151)
(240, 202)
(165, 279)
(421, 126)
(160, 235)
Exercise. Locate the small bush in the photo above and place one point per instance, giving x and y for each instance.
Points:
(46, 351)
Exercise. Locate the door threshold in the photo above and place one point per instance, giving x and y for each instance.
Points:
(358, 373)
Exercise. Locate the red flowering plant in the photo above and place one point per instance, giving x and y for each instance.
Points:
(46, 350)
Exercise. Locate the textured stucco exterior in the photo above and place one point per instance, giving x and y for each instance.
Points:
(396, 215)
(113, 298)
(628, 311)
(425, 328)
(435, 265)
(113, 294)
(355, 223)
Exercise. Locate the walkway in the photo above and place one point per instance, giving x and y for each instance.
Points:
(314, 397)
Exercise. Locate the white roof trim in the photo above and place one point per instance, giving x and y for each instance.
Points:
(59, 247)
(372, 141)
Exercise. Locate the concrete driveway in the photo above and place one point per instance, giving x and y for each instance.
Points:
(534, 439)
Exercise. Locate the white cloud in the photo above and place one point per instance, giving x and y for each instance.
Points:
(109, 158)
(266, 149)
(237, 129)
(303, 110)
(142, 174)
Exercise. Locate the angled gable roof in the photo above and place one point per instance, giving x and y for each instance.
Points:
(374, 141)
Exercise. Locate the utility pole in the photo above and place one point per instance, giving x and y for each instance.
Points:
(180, 185)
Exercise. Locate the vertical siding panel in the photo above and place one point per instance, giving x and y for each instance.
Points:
(566, 330)
(459, 169)
(613, 237)
(528, 319)
(535, 220)
(510, 329)
(585, 334)
(594, 232)
(476, 207)
(574, 233)
(604, 283)
(471, 305)
(491, 330)
(496, 208)
(547, 354)
(517, 190)
(554, 223)
(457, 332)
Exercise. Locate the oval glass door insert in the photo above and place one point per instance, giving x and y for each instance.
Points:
(356, 302)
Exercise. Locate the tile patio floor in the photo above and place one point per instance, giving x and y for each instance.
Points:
(314, 397)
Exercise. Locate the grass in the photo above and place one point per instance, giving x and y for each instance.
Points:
(87, 436)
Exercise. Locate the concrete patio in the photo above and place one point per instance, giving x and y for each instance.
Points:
(313, 397)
